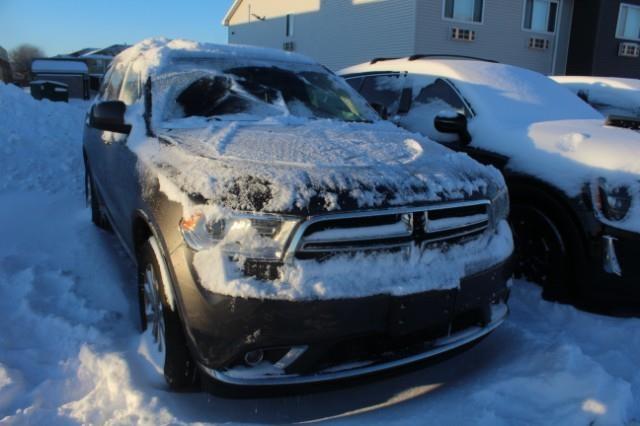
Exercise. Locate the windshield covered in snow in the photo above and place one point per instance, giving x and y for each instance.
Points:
(226, 90)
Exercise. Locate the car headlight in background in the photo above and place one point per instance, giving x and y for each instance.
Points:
(251, 235)
(612, 203)
(499, 206)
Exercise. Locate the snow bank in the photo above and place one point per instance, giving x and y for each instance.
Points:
(40, 142)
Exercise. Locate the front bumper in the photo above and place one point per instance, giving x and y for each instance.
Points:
(618, 280)
(275, 375)
(339, 338)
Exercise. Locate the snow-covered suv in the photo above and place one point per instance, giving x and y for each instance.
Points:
(618, 99)
(574, 182)
(283, 233)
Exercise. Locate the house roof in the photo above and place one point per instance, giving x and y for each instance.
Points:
(230, 12)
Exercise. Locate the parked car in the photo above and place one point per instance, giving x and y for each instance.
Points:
(618, 99)
(283, 233)
(6, 75)
(573, 181)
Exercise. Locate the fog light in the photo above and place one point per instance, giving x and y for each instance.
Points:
(253, 358)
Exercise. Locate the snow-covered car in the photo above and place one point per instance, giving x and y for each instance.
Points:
(574, 181)
(618, 99)
(283, 233)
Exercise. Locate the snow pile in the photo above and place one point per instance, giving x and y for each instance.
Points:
(609, 95)
(40, 142)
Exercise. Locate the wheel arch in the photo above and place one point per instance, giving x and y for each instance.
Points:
(526, 187)
(142, 230)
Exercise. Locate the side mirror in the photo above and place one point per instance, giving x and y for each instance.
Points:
(381, 110)
(453, 122)
(109, 116)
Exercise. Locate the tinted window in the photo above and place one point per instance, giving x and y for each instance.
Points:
(211, 96)
(434, 96)
(384, 90)
(355, 82)
(441, 92)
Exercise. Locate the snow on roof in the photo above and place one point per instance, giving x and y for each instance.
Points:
(152, 55)
(58, 66)
(520, 95)
(610, 95)
(613, 82)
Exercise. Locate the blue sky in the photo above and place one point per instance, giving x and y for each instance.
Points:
(62, 26)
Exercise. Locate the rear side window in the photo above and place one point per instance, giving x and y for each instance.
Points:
(384, 90)
(114, 82)
(131, 88)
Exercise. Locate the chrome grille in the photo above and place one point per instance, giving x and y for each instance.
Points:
(390, 228)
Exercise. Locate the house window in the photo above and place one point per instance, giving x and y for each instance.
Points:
(289, 26)
(628, 22)
(463, 10)
(540, 15)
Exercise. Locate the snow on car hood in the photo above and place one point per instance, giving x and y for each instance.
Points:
(571, 155)
(301, 166)
(590, 143)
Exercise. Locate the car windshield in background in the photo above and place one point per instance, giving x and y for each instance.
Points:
(264, 91)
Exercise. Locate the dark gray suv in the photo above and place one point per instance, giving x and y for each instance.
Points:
(283, 233)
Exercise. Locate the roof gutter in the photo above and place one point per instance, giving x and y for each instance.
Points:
(231, 12)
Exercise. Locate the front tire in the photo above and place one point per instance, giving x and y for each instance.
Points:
(548, 247)
(161, 322)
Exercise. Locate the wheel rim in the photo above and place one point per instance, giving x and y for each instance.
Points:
(153, 310)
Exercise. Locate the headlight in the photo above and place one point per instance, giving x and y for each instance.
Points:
(250, 235)
(500, 206)
(612, 203)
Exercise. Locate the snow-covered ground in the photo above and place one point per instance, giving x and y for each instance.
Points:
(70, 351)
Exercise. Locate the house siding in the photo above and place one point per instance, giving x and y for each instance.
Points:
(606, 60)
(500, 36)
(594, 46)
(337, 33)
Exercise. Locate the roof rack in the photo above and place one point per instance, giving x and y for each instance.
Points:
(423, 56)
(374, 60)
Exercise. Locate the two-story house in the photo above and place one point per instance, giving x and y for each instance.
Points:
(529, 33)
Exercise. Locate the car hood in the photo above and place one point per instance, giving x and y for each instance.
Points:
(312, 166)
(568, 154)
(590, 143)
